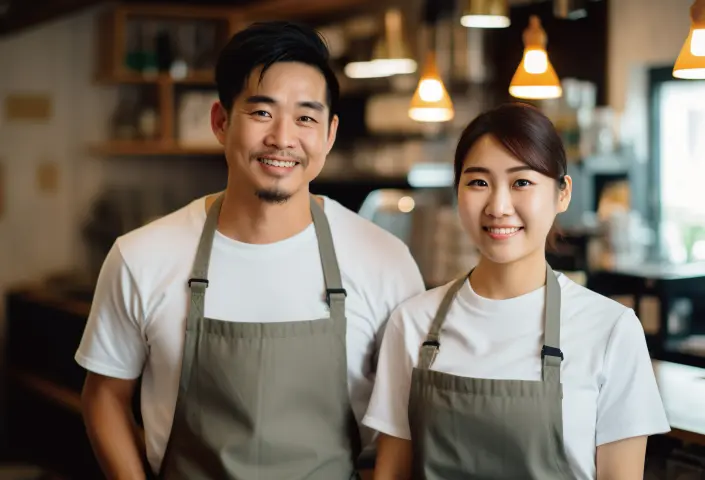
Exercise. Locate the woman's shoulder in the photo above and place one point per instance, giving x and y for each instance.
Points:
(578, 299)
(416, 313)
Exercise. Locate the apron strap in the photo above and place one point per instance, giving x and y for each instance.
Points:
(551, 354)
(430, 347)
(198, 282)
(335, 293)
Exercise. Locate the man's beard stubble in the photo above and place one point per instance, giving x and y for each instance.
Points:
(273, 196)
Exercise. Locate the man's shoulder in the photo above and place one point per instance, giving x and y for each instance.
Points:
(168, 237)
(353, 231)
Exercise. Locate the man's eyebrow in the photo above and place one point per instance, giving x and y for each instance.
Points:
(313, 105)
(260, 99)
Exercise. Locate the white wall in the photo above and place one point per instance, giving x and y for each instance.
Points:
(642, 34)
(38, 231)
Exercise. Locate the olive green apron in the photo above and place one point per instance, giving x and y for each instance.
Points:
(263, 401)
(476, 428)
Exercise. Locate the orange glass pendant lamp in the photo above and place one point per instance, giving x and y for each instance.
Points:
(535, 77)
(691, 60)
(431, 102)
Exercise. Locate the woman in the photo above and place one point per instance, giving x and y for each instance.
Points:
(513, 371)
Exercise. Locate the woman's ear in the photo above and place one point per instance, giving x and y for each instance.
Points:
(565, 194)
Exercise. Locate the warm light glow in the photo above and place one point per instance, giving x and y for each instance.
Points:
(485, 14)
(431, 102)
(485, 21)
(406, 204)
(537, 92)
(431, 115)
(536, 61)
(535, 77)
(430, 90)
(697, 43)
(690, 64)
(391, 55)
(380, 68)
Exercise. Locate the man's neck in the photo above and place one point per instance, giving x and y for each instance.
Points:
(248, 219)
(503, 281)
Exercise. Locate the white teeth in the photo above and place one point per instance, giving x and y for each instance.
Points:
(277, 163)
(503, 231)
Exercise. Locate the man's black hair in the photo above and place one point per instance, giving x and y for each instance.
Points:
(266, 43)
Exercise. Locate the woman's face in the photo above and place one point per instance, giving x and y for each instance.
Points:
(506, 207)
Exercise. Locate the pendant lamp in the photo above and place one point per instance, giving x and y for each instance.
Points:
(535, 77)
(431, 102)
(486, 14)
(391, 54)
(691, 60)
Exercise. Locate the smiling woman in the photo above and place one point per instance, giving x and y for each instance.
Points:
(513, 371)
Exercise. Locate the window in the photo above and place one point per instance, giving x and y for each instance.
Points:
(678, 152)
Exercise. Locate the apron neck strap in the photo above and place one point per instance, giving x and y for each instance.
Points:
(335, 294)
(430, 347)
(199, 272)
(551, 355)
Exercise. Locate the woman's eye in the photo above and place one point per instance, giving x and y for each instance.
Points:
(477, 183)
(522, 183)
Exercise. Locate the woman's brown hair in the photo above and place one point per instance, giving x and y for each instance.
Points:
(527, 134)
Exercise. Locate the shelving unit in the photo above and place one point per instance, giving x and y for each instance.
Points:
(115, 62)
(115, 65)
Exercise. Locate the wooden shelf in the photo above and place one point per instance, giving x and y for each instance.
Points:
(61, 395)
(137, 148)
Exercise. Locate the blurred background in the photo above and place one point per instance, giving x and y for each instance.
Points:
(104, 126)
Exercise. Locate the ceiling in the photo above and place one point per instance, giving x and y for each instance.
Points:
(16, 15)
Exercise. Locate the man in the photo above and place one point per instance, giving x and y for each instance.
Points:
(253, 317)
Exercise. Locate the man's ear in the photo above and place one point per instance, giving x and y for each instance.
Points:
(219, 121)
(332, 133)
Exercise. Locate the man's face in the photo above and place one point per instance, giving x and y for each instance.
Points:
(277, 135)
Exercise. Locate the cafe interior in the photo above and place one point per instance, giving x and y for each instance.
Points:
(105, 127)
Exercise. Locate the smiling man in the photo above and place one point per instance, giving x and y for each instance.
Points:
(253, 316)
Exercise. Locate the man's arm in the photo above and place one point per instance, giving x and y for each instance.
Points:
(113, 351)
(117, 440)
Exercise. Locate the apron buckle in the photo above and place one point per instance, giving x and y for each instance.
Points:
(551, 351)
(334, 291)
(199, 280)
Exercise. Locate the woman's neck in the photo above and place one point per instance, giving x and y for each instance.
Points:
(500, 281)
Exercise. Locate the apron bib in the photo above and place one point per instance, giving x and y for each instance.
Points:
(476, 428)
(263, 401)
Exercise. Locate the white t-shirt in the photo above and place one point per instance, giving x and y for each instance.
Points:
(610, 392)
(139, 310)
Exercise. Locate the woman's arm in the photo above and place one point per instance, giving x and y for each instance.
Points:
(393, 458)
(622, 460)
